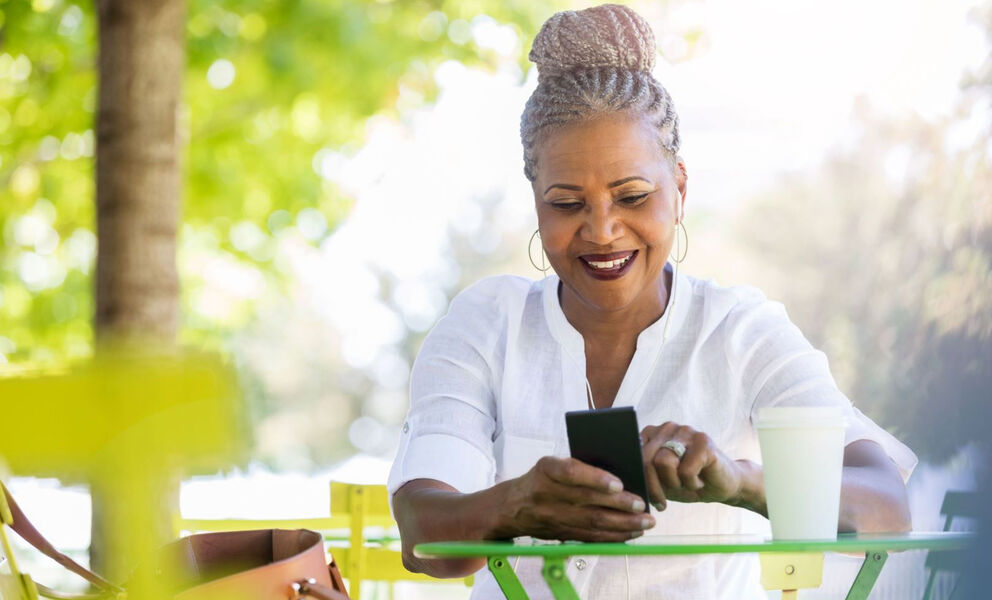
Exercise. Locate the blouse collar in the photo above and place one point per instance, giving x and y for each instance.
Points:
(651, 337)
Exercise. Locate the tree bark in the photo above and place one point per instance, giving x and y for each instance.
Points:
(142, 55)
(138, 202)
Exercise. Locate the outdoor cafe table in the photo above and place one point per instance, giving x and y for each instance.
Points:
(875, 547)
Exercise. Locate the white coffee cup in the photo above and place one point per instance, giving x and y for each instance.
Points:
(802, 451)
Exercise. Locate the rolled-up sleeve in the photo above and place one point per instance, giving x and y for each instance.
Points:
(448, 433)
(777, 366)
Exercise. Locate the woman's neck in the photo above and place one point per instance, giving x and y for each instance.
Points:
(616, 325)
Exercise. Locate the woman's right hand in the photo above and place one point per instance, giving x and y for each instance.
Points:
(567, 499)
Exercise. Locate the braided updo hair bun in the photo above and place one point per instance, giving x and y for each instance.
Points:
(603, 36)
(593, 62)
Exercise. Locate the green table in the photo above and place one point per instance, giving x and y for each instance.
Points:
(875, 547)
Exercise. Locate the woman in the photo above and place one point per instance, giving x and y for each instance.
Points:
(484, 450)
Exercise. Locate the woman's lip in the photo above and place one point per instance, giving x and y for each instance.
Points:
(606, 257)
(609, 274)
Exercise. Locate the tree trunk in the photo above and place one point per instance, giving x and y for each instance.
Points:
(141, 64)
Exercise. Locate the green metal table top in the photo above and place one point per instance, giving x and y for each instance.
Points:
(699, 544)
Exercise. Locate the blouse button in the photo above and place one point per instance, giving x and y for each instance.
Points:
(580, 564)
(406, 427)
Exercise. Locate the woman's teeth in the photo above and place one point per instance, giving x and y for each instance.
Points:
(608, 264)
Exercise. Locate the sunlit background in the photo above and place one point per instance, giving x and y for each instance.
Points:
(350, 166)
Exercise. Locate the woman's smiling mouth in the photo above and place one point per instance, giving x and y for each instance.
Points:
(608, 266)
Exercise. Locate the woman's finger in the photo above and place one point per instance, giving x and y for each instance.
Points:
(648, 445)
(666, 464)
(655, 492)
(570, 471)
(652, 438)
(583, 496)
(698, 454)
(604, 519)
(579, 534)
(664, 460)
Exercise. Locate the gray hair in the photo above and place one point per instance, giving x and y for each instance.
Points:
(593, 62)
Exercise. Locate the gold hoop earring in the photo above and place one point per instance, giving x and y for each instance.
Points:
(530, 255)
(680, 250)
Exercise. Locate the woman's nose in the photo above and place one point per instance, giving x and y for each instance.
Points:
(602, 226)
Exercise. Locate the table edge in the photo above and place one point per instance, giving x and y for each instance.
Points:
(939, 541)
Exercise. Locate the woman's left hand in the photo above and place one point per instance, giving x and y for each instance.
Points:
(702, 474)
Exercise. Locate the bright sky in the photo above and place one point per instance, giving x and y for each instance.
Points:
(775, 89)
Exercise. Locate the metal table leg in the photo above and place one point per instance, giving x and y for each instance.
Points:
(868, 575)
(507, 580)
(554, 574)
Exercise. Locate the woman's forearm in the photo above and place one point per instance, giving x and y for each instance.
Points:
(869, 503)
(872, 496)
(429, 511)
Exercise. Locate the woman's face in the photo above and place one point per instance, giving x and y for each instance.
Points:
(607, 207)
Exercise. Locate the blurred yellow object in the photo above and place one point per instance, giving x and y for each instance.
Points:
(354, 508)
(128, 425)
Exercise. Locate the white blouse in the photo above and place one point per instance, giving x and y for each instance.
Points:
(495, 376)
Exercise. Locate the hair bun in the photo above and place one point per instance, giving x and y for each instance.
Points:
(609, 35)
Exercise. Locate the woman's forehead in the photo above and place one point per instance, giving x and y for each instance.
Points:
(609, 147)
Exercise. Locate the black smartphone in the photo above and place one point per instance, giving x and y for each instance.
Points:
(609, 439)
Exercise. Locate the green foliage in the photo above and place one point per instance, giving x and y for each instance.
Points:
(288, 80)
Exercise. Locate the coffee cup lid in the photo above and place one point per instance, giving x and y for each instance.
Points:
(801, 416)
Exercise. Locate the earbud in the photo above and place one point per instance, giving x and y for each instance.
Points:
(679, 208)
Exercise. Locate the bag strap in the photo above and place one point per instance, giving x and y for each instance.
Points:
(336, 580)
(23, 527)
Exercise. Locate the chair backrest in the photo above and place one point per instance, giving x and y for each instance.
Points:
(957, 504)
(960, 504)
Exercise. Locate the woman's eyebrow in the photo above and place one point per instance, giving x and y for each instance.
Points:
(626, 179)
(564, 186)
(578, 188)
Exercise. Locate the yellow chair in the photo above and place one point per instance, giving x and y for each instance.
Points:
(354, 508)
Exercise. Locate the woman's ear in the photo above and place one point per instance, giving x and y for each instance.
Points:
(682, 183)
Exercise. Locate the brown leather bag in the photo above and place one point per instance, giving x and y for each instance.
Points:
(263, 564)
(266, 564)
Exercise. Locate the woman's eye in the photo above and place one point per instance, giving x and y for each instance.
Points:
(566, 205)
(632, 199)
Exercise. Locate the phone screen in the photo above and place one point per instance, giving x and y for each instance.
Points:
(609, 439)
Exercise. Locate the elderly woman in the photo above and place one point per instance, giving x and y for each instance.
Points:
(484, 453)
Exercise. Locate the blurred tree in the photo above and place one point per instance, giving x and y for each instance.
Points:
(141, 59)
(271, 97)
(884, 258)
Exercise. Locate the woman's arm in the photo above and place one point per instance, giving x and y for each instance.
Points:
(428, 510)
(559, 498)
(872, 494)
(872, 498)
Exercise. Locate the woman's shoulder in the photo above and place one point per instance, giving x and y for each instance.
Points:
(735, 306)
(493, 297)
(721, 299)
